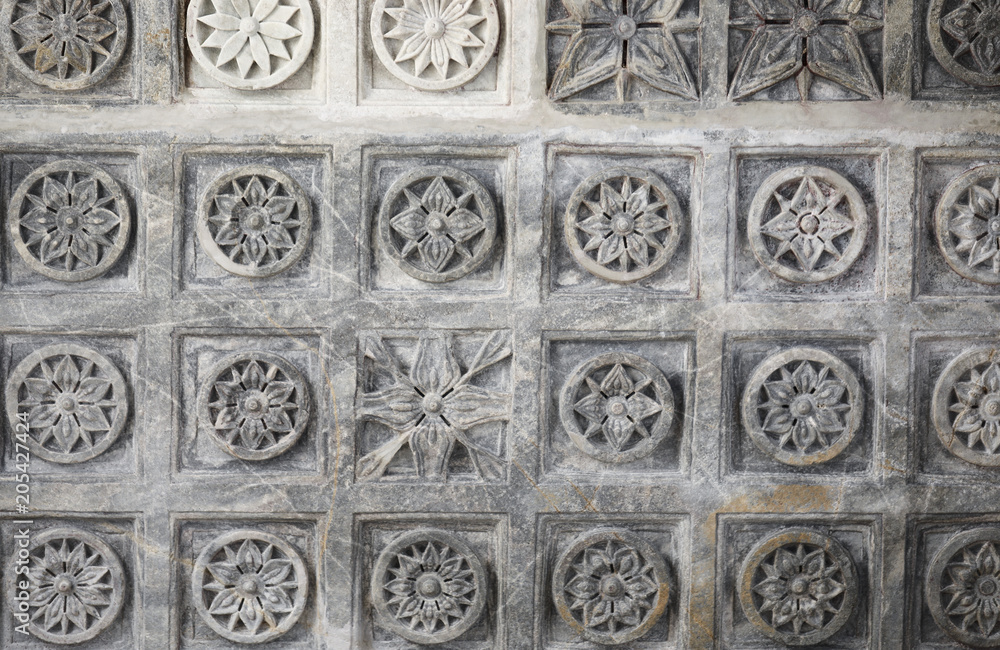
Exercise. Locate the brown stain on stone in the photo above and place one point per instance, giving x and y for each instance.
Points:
(158, 38)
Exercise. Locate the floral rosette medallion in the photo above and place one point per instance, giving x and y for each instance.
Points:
(249, 586)
(76, 401)
(965, 407)
(967, 224)
(254, 221)
(623, 224)
(428, 586)
(610, 586)
(76, 585)
(807, 224)
(435, 44)
(617, 407)
(965, 39)
(64, 45)
(250, 44)
(69, 221)
(798, 587)
(255, 405)
(438, 223)
(963, 587)
(802, 406)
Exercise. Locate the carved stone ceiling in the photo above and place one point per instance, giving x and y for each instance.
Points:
(497, 324)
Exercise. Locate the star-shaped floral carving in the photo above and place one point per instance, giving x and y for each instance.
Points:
(977, 226)
(800, 39)
(978, 408)
(800, 588)
(617, 407)
(808, 225)
(975, 590)
(976, 27)
(431, 590)
(70, 587)
(433, 406)
(435, 32)
(65, 34)
(437, 225)
(612, 40)
(804, 407)
(251, 32)
(254, 223)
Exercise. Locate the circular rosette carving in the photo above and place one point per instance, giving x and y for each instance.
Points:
(963, 587)
(76, 585)
(254, 221)
(967, 224)
(69, 221)
(799, 587)
(75, 399)
(254, 404)
(964, 38)
(64, 44)
(435, 45)
(965, 407)
(802, 406)
(623, 224)
(438, 223)
(807, 224)
(617, 407)
(428, 586)
(249, 586)
(610, 586)
(250, 44)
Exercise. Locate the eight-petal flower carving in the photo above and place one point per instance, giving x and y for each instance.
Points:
(617, 407)
(804, 407)
(68, 404)
(65, 34)
(976, 224)
(978, 408)
(252, 586)
(434, 406)
(437, 225)
(976, 26)
(808, 224)
(974, 589)
(432, 589)
(250, 32)
(435, 32)
(800, 588)
(793, 38)
(613, 587)
(70, 221)
(611, 40)
(254, 224)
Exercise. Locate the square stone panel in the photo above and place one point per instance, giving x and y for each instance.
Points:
(660, 62)
(941, 173)
(121, 86)
(672, 356)
(755, 173)
(121, 532)
(666, 534)
(121, 458)
(850, 49)
(442, 390)
(862, 357)
(388, 171)
(307, 85)
(198, 170)
(127, 273)
(575, 167)
(932, 354)
(937, 73)
(491, 86)
(484, 535)
(193, 532)
(859, 536)
(927, 536)
(197, 353)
